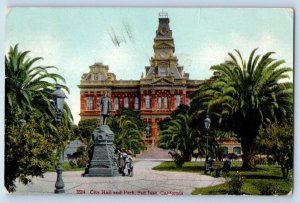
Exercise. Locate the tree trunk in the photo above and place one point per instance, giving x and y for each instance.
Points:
(187, 156)
(285, 171)
(248, 147)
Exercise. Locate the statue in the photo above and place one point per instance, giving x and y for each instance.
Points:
(102, 159)
(105, 108)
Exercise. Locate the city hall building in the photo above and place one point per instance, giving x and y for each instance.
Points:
(158, 92)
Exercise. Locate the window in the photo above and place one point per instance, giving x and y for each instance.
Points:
(148, 131)
(165, 102)
(88, 77)
(225, 150)
(136, 103)
(162, 72)
(116, 102)
(159, 102)
(177, 100)
(147, 102)
(237, 150)
(102, 76)
(89, 103)
(95, 76)
(126, 102)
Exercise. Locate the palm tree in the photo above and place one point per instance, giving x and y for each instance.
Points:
(180, 135)
(28, 93)
(28, 87)
(246, 95)
(127, 136)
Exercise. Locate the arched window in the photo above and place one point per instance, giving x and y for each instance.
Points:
(147, 102)
(103, 76)
(136, 103)
(148, 131)
(159, 102)
(116, 102)
(89, 103)
(162, 71)
(177, 100)
(126, 105)
(165, 102)
(237, 150)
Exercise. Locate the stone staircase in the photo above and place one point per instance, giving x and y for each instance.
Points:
(155, 153)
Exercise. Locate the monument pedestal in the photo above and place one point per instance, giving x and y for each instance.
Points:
(103, 160)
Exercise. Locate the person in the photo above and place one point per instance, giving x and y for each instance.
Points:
(208, 163)
(119, 162)
(123, 156)
(129, 161)
(125, 162)
(227, 164)
(104, 107)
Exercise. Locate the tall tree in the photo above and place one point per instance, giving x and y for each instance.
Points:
(29, 148)
(128, 135)
(180, 135)
(28, 86)
(245, 95)
(86, 128)
(277, 140)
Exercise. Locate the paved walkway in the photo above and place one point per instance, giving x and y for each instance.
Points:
(155, 153)
(145, 181)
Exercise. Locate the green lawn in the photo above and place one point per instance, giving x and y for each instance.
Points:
(194, 167)
(261, 177)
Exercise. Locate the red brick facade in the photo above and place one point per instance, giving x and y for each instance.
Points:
(154, 96)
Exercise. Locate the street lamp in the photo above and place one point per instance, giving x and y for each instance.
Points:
(58, 97)
(207, 127)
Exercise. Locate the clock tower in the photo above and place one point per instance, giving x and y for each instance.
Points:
(153, 97)
(164, 63)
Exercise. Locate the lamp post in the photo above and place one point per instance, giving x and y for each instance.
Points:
(58, 97)
(207, 127)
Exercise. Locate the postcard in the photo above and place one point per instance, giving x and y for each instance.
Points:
(149, 101)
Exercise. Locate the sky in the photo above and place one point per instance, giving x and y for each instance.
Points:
(72, 39)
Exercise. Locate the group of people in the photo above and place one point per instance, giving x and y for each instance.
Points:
(125, 162)
(226, 164)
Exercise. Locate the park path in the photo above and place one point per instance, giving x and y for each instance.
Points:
(145, 181)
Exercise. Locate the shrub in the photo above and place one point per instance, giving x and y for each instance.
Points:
(270, 160)
(178, 159)
(235, 183)
(260, 160)
(266, 188)
(79, 158)
(73, 164)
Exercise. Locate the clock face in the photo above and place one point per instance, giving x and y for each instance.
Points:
(163, 54)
